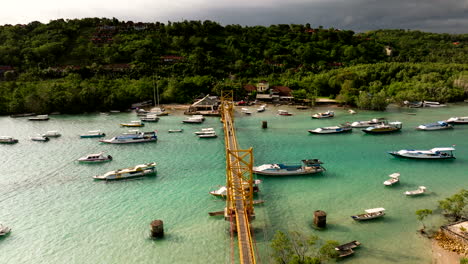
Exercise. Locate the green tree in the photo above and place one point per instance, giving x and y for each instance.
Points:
(455, 205)
(421, 215)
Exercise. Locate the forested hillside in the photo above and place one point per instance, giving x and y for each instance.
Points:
(99, 64)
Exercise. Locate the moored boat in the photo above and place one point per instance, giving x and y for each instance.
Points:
(439, 125)
(95, 158)
(394, 179)
(351, 111)
(309, 166)
(284, 113)
(262, 108)
(370, 214)
(384, 128)
(432, 104)
(93, 134)
(39, 138)
(208, 134)
(327, 114)
(419, 191)
(458, 120)
(246, 111)
(150, 118)
(175, 130)
(222, 190)
(343, 128)
(135, 123)
(52, 133)
(435, 153)
(369, 123)
(136, 137)
(346, 249)
(4, 230)
(204, 131)
(132, 172)
(195, 119)
(8, 140)
(39, 118)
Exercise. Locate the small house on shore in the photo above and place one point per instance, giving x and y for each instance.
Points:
(207, 105)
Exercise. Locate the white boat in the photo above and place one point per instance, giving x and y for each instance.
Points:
(159, 111)
(141, 112)
(208, 134)
(39, 118)
(39, 138)
(262, 108)
(175, 130)
(432, 104)
(195, 119)
(93, 134)
(384, 128)
(95, 158)
(284, 113)
(205, 131)
(150, 118)
(52, 133)
(137, 137)
(222, 190)
(370, 214)
(394, 178)
(277, 169)
(137, 171)
(458, 120)
(135, 123)
(351, 111)
(439, 125)
(332, 130)
(246, 111)
(369, 123)
(327, 114)
(4, 230)
(419, 191)
(8, 140)
(435, 153)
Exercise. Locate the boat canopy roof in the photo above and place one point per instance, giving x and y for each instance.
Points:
(375, 210)
(442, 149)
(394, 175)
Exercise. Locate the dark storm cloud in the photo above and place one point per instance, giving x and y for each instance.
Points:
(449, 16)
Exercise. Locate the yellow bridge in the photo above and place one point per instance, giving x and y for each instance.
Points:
(239, 206)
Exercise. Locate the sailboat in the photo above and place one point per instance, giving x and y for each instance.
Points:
(157, 110)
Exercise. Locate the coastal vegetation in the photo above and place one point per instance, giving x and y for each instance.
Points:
(456, 205)
(94, 64)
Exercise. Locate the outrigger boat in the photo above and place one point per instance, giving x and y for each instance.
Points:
(8, 140)
(93, 134)
(370, 214)
(458, 120)
(332, 130)
(135, 137)
(384, 128)
(394, 178)
(136, 123)
(369, 123)
(309, 166)
(419, 191)
(327, 114)
(95, 158)
(439, 125)
(435, 153)
(132, 172)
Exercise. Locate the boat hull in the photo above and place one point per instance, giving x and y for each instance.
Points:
(287, 173)
(92, 136)
(109, 141)
(396, 154)
(126, 176)
(326, 132)
(386, 131)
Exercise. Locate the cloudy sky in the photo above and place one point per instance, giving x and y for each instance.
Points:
(449, 16)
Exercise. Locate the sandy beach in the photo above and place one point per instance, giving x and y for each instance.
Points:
(442, 256)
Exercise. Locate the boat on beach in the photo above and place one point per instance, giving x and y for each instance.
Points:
(39, 118)
(95, 158)
(284, 113)
(8, 140)
(419, 191)
(458, 120)
(93, 134)
(439, 125)
(369, 123)
(309, 166)
(343, 128)
(134, 137)
(132, 172)
(135, 123)
(4, 230)
(370, 214)
(327, 114)
(394, 179)
(384, 128)
(435, 153)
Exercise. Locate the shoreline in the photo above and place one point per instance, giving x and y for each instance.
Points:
(443, 256)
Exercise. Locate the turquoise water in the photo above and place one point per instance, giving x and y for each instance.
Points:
(59, 214)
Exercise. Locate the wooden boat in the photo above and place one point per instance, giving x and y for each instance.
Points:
(384, 128)
(439, 125)
(95, 158)
(8, 140)
(370, 214)
(435, 153)
(346, 249)
(93, 134)
(4, 230)
(327, 114)
(369, 123)
(208, 134)
(309, 166)
(284, 113)
(332, 130)
(136, 123)
(394, 179)
(52, 133)
(419, 191)
(458, 120)
(175, 130)
(132, 172)
(39, 118)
